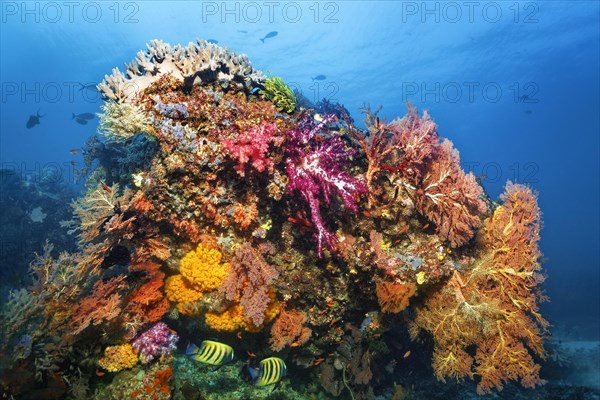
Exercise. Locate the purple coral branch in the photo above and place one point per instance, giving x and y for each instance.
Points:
(316, 170)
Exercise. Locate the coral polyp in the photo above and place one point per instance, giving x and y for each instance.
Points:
(232, 213)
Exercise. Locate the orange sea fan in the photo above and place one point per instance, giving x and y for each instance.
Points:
(289, 330)
(393, 297)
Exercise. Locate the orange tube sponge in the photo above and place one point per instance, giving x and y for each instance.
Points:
(233, 319)
(229, 321)
(117, 358)
(202, 268)
(180, 290)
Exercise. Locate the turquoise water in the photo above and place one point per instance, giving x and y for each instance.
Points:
(514, 85)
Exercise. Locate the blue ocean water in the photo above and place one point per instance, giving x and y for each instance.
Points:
(514, 85)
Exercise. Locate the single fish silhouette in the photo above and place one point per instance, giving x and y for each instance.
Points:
(240, 31)
(213, 41)
(86, 116)
(89, 86)
(269, 35)
(528, 112)
(33, 120)
(319, 78)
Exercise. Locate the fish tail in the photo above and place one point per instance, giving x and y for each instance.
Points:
(262, 40)
(73, 117)
(253, 373)
(191, 349)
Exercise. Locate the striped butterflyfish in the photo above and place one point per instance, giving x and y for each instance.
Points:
(210, 352)
(269, 371)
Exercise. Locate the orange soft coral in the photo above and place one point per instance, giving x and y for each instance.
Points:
(203, 269)
(245, 215)
(393, 297)
(117, 358)
(493, 304)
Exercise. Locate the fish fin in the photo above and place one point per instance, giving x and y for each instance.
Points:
(262, 40)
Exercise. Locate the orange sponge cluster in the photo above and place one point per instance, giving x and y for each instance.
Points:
(202, 268)
(233, 318)
(201, 271)
(180, 290)
(117, 358)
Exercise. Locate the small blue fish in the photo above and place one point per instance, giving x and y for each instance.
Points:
(319, 78)
(269, 371)
(210, 352)
(269, 35)
(33, 120)
(241, 31)
(213, 41)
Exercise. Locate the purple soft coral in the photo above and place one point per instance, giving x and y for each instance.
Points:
(315, 168)
(156, 341)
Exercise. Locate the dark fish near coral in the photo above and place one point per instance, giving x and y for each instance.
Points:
(269, 371)
(213, 41)
(75, 151)
(319, 78)
(269, 35)
(33, 120)
(86, 116)
(210, 352)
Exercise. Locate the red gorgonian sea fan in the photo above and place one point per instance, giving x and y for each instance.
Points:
(440, 189)
(448, 197)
